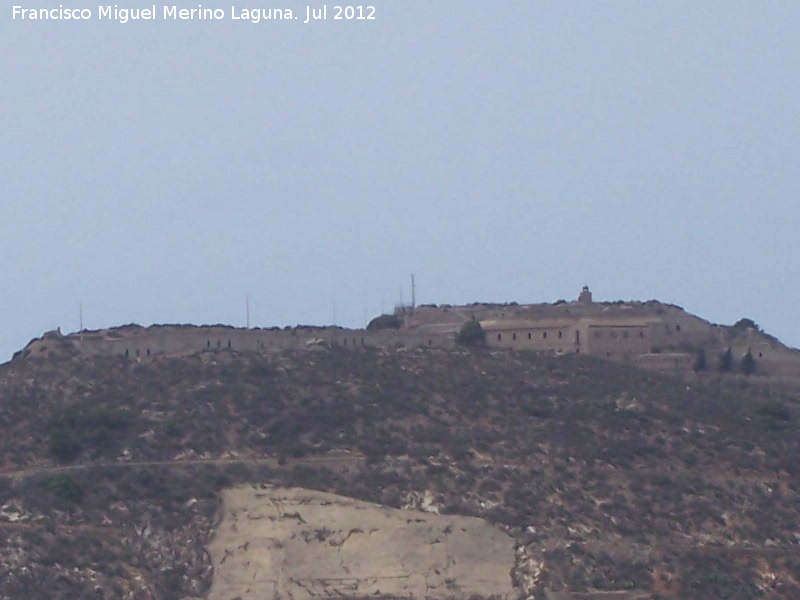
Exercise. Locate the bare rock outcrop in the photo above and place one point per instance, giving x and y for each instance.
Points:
(302, 544)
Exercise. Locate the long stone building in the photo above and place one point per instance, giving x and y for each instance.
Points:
(651, 335)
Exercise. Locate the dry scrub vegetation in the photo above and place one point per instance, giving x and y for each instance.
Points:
(608, 478)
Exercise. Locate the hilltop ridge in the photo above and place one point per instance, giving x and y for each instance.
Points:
(647, 334)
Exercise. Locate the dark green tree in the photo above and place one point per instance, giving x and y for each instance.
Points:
(65, 488)
(471, 334)
(745, 324)
(726, 361)
(748, 364)
(700, 360)
(385, 322)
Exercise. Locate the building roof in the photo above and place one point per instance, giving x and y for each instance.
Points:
(619, 321)
(518, 324)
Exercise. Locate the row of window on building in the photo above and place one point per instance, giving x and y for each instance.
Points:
(559, 334)
(530, 335)
(613, 334)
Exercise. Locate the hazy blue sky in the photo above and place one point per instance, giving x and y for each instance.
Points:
(502, 151)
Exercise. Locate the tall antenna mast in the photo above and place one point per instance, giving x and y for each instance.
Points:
(413, 293)
(80, 318)
(247, 308)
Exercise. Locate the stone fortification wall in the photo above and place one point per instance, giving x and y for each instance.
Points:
(673, 362)
(138, 342)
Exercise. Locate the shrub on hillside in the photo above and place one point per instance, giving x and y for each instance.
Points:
(64, 445)
(65, 488)
(775, 409)
(100, 429)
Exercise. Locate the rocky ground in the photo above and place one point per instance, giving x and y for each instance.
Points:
(612, 483)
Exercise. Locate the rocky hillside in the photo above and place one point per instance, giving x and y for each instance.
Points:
(608, 479)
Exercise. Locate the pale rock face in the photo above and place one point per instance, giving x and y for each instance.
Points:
(302, 544)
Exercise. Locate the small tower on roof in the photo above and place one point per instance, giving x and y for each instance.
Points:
(585, 297)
